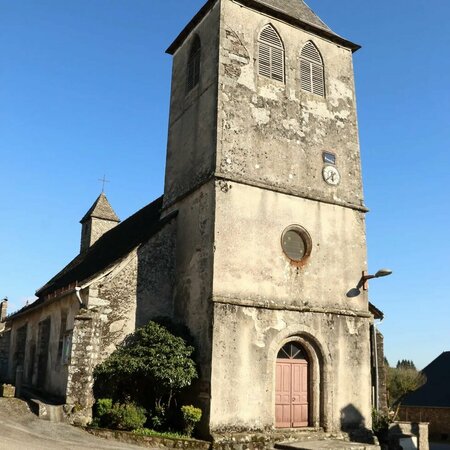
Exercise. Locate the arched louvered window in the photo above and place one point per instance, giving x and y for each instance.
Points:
(193, 68)
(271, 54)
(312, 70)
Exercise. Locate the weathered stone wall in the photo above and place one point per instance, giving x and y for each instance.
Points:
(84, 357)
(382, 372)
(271, 133)
(418, 430)
(3, 311)
(193, 282)
(93, 229)
(114, 298)
(156, 276)
(193, 115)
(246, 343)
(5, 338)
(263, 140)
(56, 369)
(250, 265)
(438, 418)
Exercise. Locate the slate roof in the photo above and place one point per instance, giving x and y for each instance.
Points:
(297, 9)
(109, 249)
(295, 12)
(101, 209)
(377, 313)
(436, 391)
(112, 246)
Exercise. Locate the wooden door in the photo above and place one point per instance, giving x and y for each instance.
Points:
(291, 388)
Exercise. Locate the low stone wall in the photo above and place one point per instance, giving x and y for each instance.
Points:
(150, 441)
(438, 419)
(399, 431)
(267, 439)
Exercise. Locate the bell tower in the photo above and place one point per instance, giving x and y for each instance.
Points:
(263, 164)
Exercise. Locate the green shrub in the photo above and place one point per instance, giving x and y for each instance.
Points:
(191, 416)
(127, 416)
(152, 364)
(103, 406)
(149, 368)
(159, 418)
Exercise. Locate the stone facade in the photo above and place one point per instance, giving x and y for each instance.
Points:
(262, 142)
(245, 163)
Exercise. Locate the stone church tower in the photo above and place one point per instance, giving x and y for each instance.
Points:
(263, 167)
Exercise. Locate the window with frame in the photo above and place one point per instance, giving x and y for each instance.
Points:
(270, 54)
(312, 72)
(193, 67)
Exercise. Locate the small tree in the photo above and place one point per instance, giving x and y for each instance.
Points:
(401, 381)
(151, 366)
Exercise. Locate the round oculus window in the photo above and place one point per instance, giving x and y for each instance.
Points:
(296, 243)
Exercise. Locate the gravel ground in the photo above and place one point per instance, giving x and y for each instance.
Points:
(22, 430)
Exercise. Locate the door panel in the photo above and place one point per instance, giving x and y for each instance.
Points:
(291, 394)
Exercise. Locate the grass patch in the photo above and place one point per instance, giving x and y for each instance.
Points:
(161, 434)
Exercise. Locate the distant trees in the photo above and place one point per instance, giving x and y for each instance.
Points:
(406, 364)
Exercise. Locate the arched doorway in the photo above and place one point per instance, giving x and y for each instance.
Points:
(292, 387)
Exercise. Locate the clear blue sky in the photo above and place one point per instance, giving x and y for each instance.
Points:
(84, 91)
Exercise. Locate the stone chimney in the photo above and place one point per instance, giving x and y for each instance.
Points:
(97, 221)
(3, 309)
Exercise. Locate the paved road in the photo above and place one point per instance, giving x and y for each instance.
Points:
(439, 446)
(22, 430)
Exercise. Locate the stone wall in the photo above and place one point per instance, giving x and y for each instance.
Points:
(156, 261)
(84, 357)
(382, 374)
(5, 338)
(53, 377)
(193, 115)
(113, 297)
(378, 352)
(271, 133)
(438, 419)
(399, 431)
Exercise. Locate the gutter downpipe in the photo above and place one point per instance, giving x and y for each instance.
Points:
(77, 293)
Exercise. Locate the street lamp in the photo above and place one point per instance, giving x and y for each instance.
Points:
(363, 282)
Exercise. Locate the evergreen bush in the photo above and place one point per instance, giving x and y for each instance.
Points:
(191, 416)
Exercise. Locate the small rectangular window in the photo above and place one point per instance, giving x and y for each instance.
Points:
(329, 158)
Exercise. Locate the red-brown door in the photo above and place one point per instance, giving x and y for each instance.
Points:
(291, 390)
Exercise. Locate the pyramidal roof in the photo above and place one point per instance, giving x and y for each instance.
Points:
(295, 12)
(296, 9)
(101, 209)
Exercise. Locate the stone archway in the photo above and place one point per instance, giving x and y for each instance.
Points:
(318, 376)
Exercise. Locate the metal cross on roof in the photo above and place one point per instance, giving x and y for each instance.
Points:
(103, 180)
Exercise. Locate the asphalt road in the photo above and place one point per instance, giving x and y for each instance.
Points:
(22, 430)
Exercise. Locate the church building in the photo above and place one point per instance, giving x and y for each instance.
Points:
(258, 244)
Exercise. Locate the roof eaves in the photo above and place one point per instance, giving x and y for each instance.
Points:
(274, 12)
(377, 313)
(190, 26)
